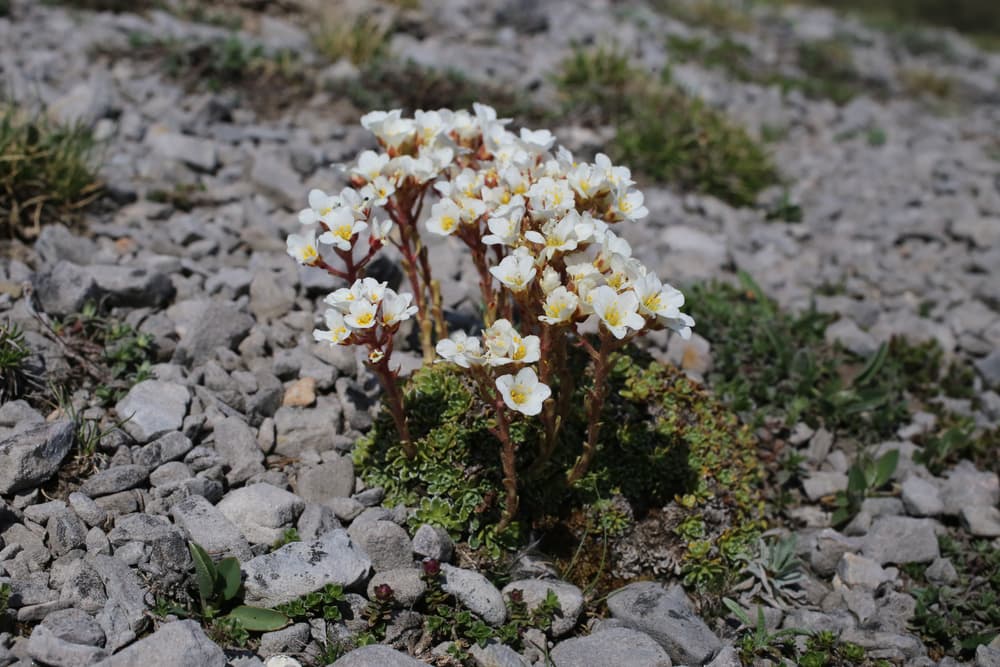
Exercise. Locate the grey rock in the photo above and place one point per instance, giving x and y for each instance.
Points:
(176, 643)
(475, 592)
(893, 612)
(345, 509)
(166, 542)
(87, 509)
(964, 486)
(237, 445)
(941, 572)
(987, 656)
(299, 568)
(856, 570)
(270, 297)
(131, 286)
(114, 480)
(123, 616)
(57, 244)
(534, 592)
(886, 645)
(292, 639)
(274, 176)
(330, 479)
(170, 474)
(168, 447)
(820, 484)
(85, 102)
(921, 497)
(852, 337)
(495, 654)
(76, 626)
(982, 521)
(32, 456)
(302, 429)
(432, 542)
(261, 511)
(828, 548)
(197, 152)
(897, 539)
(989, 368)
(386, 543)
(666, 616)
(727, 657)
(376, 655)
(65, 532)
(64, 288)
(153, 408)
(807, 619)
(204, 325)
(316, 520)
(48, 648)
(407, 585)
(208, 527)
(614, 646)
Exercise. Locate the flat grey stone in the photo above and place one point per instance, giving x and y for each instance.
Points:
(76, 626)
(237, 445)
(614, 646)
(376, 655)
(965, 486)
(131, 286)
(989, 368)
(921, 497)
(316, 520)
(407, 585)
(292, 639)
(386, 543)
(534, 592)
(982, 521)
(65, 532)
(432, 542)
(209, 528)
(32, 456)
(666, 616)
(262, 512)
(47, 648)
(899, 540)
(330, 479)
(123, 616)
(820, 484)
(204, 325)
(153, 408)
(167, 544)
(114, 479)
(495, 654)
(168, 447)
(64, 288)
(197, 152)
(475, 592)
(987, 656)
(299, 568)
(176, 643)
(87, 509)
(941, 572)
(856, 570)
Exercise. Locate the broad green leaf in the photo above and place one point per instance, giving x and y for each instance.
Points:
(856, 482)
(257, 619)
(840, 516)
(873, 366)
(205, 572)
(230, 579)
(885, 466)
(737, 611)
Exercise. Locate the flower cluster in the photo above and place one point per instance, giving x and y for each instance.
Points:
(540, 228)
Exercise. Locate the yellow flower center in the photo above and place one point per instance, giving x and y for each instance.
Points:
(554, 310)
(344, 231)
(613, 316)
(519, 351)
(365, 319)
(447, 223)
(309, 254)
(518, 395)
(652, 301)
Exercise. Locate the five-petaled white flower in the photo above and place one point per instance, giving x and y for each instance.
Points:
(515, 271)
(343, 226)
(523, 392)
(361, 314)
(445, 218)
(461, 349)
(396, 308)
(303, 247)
(336, 330)
(560, 306)
(320, 205)
(618, 312)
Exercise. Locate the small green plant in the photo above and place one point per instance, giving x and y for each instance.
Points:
(756, 640)
(15, 377)
(290, 535)
(219, 592)
(661, 131)
(360, 38)
(47, 171)
(327, 603)
(775, 572)
(865, 476)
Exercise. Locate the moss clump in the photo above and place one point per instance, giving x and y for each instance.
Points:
(663, 132)
(663, 438)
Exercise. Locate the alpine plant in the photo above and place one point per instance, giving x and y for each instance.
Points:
(540, 228)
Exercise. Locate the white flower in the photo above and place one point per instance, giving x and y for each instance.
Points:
(560, 306)
(618, 312)
(538, 141)
(445, 218)
(303, 247)
(380, 230)
(657, 299)
(370, 289)
(461, 349)
(337, 332)
(376, 356)
(557, 235)
(320, 205)
(390, 127)
(629, 206)
(550, 280)
(505, 229)
(586, 180)
(396, 308)
(523, 392)
(342, 298)
(370, 165)
(550, 197)
(681, 323)
(515, 271)
(429, 125)
(343, 226)
(361, 314)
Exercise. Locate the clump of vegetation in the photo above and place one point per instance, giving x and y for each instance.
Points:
(828, 69)
(290, 535)
(47, 171)
(217, 604)
(720, 15)
(662, 437)
(386, 83)
(111, 352)
(865, 477)
(926, 82)
(359, 37)
(663, 132)
(954, 619)
(15, 376)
